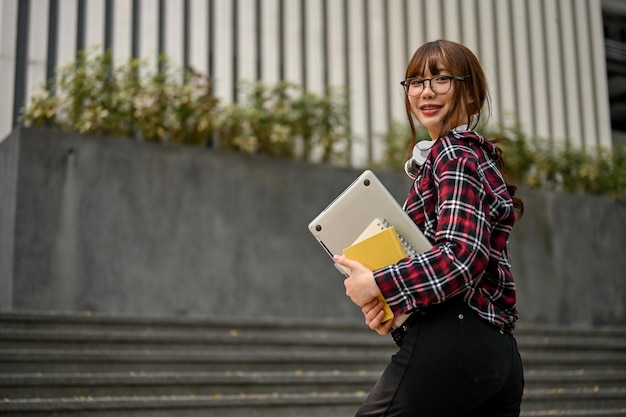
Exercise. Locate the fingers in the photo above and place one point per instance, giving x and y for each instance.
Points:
(368, 306)
(343, 261)
(374, 313)
(385, 328)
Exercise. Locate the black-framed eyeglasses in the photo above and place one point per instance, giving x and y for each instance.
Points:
(440, 84)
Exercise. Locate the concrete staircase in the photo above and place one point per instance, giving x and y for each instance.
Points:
(104, 365)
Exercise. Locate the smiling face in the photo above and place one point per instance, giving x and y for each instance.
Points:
(440, 112)
(432, 108)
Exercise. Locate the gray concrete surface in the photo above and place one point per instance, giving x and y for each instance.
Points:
(112, 225)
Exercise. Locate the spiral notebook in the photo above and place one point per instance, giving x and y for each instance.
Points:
(379, 225)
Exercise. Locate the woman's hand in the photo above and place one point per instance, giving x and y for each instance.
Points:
(360, 285)
(373, 312)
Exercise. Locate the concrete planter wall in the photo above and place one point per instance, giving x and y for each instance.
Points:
(111, 225)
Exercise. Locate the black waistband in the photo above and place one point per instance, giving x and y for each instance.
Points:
(399, 333)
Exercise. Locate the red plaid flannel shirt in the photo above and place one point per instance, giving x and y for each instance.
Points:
(461, 203)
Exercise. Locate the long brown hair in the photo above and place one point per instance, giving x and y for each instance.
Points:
(469, 96)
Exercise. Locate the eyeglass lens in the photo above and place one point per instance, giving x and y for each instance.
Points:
(439, 85)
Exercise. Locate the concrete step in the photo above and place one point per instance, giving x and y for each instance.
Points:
(316, 404)
(116, 365)
(234, 338)
(590, 360)
(181, 383)
(242, 338)
(320, 404)
(46, 360)
(578, 378)
(292, 359)
(617, 412)
(143, 324)
(148, 323)
(104, 384)
(588, 398)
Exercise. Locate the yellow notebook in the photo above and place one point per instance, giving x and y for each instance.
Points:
(381, 249)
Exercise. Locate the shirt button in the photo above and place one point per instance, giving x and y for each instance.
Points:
(461, 317)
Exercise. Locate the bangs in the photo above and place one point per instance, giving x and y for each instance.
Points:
(429, 57)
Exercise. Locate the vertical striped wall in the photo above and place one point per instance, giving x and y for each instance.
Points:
(544, 58)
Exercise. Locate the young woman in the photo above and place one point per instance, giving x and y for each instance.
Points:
(457, 355)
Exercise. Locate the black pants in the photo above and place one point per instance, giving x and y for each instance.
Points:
(452, 363)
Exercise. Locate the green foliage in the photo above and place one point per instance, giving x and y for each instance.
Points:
(93, 96)
(545, 164)
(539, 163)
(282, 120)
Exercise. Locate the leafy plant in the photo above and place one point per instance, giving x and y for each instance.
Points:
(539, 163)
(171, 105)
(93, 96)
(282, 120)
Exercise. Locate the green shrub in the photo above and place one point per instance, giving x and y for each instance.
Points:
(282, 120)
(171, 105)
(546, 164)
(538, 163)
(93, 96)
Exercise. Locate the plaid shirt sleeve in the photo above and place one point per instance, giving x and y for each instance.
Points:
(460, 202)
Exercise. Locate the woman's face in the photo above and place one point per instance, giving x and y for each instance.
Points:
(429, 106)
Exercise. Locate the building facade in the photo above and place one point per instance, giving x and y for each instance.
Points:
(547, 60)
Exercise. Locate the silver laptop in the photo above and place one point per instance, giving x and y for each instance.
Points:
(343, 221)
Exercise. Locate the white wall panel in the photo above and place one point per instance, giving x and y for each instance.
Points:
(432, 19)
(270, 41)
(336, 44)
(585, 74)
(224, 51)
(470, 25)
(122, 31)
(416, 30)
(199, 35)
(358, 81)
(314, 46)
(94, 25)
(506, 72)
(544, 60)
(174, 33)
(488, 55)
(570, 74)
(452, 20)
(37, 49)
(293, 41)
(398, 60)
(66, 38)
(8, 37)
(246, 39)
(149, 34)
(554, 71)
(539, 81)
(523, 107)
(377, 87)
